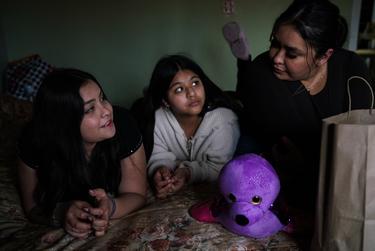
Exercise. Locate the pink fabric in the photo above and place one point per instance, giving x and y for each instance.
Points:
(202, 211)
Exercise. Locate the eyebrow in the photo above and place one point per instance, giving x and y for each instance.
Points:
(92, 100)
(294, 49)
(176, 83)
(289, 48)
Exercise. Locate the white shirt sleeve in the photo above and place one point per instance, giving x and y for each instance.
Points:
(160, 156)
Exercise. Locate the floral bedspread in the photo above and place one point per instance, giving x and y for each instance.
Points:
(160, 225)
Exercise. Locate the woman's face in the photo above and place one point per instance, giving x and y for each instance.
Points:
(97, 122)
(292, 58)
(185, 95)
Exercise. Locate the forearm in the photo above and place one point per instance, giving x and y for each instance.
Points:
(38, 215)
(161, 154)
(161, 159)
(127, 203)
(41, 216)
(243, 67)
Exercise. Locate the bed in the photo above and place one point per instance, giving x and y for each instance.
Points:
(160, 225)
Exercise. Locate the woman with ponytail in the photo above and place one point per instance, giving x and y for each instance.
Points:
(288, 90)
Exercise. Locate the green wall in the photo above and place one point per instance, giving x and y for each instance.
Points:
(120, 41)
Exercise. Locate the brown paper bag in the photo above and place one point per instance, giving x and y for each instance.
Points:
(345, 213)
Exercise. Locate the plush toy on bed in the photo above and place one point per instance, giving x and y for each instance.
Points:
(249, 187)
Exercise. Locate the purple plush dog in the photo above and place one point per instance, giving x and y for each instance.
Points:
(249, 186)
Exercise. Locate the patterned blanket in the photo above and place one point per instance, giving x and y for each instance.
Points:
(160, 225)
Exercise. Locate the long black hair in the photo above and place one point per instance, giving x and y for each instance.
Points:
(317, 21)
(64, 173)
(165, 70)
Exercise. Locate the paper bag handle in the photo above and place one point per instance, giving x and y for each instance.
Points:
(350, 97)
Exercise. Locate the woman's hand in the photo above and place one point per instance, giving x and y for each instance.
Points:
(78, 219)
(101, 214)
(163, 181)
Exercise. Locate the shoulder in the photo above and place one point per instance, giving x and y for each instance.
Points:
(262, 60)
(260, 71)
(220, 121)
(264, 56)
(127, 131)
(347, 63)
(124, 121)
(27, 150)
(160, 113)
(341, 56)
(121, 113)
(164, 117)
(341, 52)
(220, 114)
(160, 116)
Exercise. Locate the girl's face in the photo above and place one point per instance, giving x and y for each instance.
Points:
(185, 95)
(292, 58)
(97, 122)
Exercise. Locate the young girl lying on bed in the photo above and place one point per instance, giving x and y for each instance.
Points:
(82, 161)
(191, 130)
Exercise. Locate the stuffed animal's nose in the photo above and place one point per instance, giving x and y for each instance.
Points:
(242, 220)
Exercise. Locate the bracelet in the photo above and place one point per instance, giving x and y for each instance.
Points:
(113, 206)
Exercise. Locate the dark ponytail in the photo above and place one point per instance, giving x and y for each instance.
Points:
(318, 22)
(342, 31)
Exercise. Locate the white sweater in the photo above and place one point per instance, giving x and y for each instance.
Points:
(212, 146)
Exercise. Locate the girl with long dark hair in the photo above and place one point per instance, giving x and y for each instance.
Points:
(82, 160)
(191, 130)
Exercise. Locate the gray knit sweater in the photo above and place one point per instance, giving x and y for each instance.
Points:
(204, 154)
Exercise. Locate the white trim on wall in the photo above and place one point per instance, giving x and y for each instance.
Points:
(354, 24)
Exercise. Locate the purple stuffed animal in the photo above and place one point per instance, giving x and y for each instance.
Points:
(249, 186)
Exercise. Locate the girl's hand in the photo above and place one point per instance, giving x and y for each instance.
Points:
(180, 178)
(163, 179)
(78, 219)
(101, 214)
